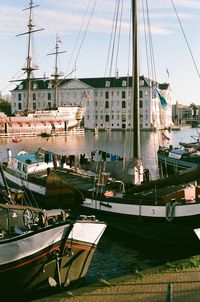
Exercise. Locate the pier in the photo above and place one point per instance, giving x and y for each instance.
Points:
(33, 133)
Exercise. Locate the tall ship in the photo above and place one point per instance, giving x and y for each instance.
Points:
(38, 105)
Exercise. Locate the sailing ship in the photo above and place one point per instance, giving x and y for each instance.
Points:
(53, 117)
(42, 249)
(163, 211)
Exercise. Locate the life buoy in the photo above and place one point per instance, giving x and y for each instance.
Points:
(22, 152)
(170, 210)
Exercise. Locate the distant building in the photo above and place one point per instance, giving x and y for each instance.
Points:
(107, 101)
(181, 113)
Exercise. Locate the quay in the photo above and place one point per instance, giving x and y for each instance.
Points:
(33, 133)
(173, 282)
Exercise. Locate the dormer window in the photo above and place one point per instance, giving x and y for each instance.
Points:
(49, 85)
(124, 83)
(20, 86)
(34, 85)
(141, 82)
(107, 84)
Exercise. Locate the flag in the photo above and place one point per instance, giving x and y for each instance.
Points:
(86, 95)
(59, 40)
(162, 100)
(165, 138)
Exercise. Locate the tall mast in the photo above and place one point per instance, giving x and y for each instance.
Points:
(135, 83)
(138, 170)
(56, 74)
(29, 64)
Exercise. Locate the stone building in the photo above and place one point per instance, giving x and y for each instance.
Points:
(107, 101)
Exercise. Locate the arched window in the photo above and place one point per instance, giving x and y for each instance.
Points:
(107, 94)
(106, 104)
(123, 104)
(34, 97)
(107, 119)
(123, 94)
(19, 97)
(49, 96)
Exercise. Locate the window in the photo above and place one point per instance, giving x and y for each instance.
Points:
(123, 94)
(19, 166)
(19, 106)
(34, 97)
(20, 86)
(34, 105)
(107, 84)
(141, 104)
(124, 83)
(34, 85)
(49, 105)
(107, 118)
(141, 94)
(49, 86)
(123, 104)
(106, 104)
(19, 97)
(107, 95)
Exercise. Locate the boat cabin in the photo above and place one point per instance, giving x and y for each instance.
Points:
(31, 163)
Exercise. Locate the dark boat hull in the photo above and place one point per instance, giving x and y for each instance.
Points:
(178, 233)
(172, 165)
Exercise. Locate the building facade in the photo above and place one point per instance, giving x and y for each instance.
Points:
(108, 101)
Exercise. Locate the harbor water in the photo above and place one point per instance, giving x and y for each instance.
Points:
(116, 254)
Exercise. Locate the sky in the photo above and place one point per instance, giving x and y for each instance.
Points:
(84, 28)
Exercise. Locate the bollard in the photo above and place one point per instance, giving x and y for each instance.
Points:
(170, 292)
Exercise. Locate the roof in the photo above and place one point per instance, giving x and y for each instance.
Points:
(99, 82)
(29, 158)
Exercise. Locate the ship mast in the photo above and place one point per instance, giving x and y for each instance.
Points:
(29, 64)
(138, 168)
(56, 74)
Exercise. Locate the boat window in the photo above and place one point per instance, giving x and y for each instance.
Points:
(19, 166)
(25, 168)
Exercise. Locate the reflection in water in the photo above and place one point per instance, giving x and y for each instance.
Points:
(111, 141)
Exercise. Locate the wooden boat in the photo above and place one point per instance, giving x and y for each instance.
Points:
(171, 160)
(42, 249)
(164, 211)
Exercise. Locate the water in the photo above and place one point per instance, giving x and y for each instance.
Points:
(116, 255)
